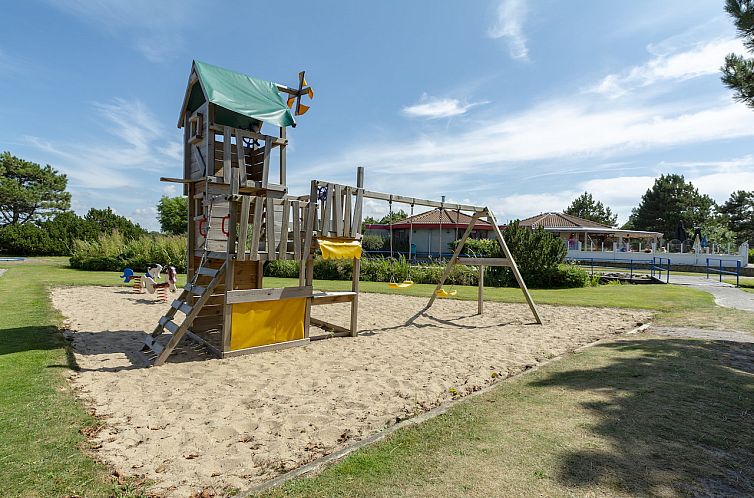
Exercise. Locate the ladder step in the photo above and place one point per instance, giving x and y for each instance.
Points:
(152, 344)
(196, 290)
(181, 306)
(171, 326)
(206, 271)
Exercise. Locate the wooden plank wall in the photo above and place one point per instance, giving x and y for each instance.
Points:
(254, 158)
(199, 153)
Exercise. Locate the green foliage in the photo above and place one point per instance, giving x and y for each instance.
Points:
(670, 200)
(107, 221)
(173, 214)
(388, 218)
(539, 254)
(113, 252)
(738, 71)
(55, 237)
(584, 206)
(717, 232)
(751, 256)
(30, 192)
(739, 211)
(372, 243)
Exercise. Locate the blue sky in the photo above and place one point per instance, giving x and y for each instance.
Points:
(512, 104)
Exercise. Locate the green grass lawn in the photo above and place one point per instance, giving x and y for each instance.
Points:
(474, 447)
(644, 416)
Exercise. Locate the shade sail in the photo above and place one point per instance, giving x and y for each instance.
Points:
(242, 94)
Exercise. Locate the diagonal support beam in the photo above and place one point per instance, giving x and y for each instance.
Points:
(454, 258)
(513, 266)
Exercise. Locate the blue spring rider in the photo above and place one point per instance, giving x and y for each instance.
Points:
(128, 274)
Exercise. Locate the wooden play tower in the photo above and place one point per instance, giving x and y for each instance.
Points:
(241, 216)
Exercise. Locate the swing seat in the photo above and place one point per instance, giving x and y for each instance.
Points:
(400, 285)
(443, 293)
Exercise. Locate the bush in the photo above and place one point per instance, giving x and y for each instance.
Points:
(372, 243)
(113, 252)
(751, 256)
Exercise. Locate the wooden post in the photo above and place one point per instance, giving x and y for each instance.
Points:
(229, 275)
(282, 156)
(514, 268)
(480, 297)
(356, 270)
(453, 259)
(227, 156)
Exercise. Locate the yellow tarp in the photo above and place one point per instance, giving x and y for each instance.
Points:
(333, 248)
(266, 322)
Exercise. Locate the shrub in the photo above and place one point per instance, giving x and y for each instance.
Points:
(751, 256)
(113, 252)
(372, 243)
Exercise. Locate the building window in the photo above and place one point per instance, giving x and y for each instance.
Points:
(196, 128)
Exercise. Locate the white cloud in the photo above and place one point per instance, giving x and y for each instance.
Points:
(700, 60)
(153, 28)
(511, 15)
(563, 129)
(169, 190)
(435, 108)
(103, 164)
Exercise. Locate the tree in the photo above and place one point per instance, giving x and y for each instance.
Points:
(738, 71)
(107, 221)
(30, 192)
(739, 211)
(173, 214)
(671, 200)
(584, 206)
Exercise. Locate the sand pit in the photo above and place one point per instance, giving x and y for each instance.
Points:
(199, 422)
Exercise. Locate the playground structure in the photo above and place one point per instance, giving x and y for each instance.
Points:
(241, 216)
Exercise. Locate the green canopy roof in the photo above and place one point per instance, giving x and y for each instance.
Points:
(251, 97)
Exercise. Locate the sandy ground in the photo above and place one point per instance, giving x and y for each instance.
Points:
(199, 422)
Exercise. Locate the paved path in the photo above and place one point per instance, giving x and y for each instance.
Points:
(706, 334)
(726, 295)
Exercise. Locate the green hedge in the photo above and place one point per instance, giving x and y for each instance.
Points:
(114, 252)
(384, 269)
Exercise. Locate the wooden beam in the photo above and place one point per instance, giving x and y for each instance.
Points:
(258, 295)
(484, 261)
(296, 208)
(356, 268)
(480, 295)
(270, 229)
(422, 202)
(514, 268)
(330, 327)
(284, 229)
(256, 228)
(266, 163)
(267, 347)
(250, 134)
(226, 155)
(338, 210)
(282, 156)
(243, 231)
(319, 298)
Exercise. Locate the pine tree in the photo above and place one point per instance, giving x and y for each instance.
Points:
(739, 212)
(738, 71)
(584, 206)
(669, 202)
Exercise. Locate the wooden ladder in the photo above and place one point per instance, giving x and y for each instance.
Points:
(179, 329)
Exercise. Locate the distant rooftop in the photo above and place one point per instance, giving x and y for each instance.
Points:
(560, 220)
(448, 217)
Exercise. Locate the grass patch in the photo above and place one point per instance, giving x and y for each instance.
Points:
(40, 421)
(647, 416)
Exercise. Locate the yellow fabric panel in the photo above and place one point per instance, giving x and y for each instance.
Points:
(267, 322)
(339, 248)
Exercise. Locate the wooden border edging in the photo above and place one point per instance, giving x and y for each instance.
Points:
(318, 465)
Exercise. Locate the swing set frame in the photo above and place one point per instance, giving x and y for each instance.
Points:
(478, 212)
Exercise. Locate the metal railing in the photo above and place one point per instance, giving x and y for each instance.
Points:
(659, 265)
(720, 271)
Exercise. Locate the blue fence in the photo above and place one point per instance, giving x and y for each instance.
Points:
(660, 265)
(656, 267)
(718, 268)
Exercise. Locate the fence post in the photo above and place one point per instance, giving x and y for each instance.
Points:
(721, 270)
(738, 270)
(667, 281)
(706, 268)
